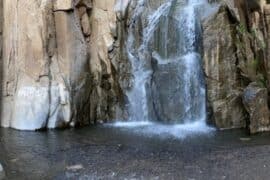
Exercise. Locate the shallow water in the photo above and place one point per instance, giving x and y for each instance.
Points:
(120, 152)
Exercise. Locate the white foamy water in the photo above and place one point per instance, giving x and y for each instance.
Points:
(151, 129)
(138, 101)
(185, 18)
(133, 124)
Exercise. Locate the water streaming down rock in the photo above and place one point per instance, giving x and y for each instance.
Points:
(138, 97)
(168, 83)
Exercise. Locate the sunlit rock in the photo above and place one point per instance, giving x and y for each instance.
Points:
(57, 63)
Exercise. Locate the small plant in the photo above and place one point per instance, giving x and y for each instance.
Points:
(241, 29)
(262, 80)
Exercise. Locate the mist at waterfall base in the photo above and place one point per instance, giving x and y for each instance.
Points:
(168, 97)
(152, 129)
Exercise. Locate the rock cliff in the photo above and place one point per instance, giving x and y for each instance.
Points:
(57, 62)
(236, 47)
(64, 62)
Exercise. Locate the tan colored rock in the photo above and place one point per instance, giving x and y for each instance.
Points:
(63, 5)
(105, 5)
(103, 53)
(57, 67)
(85, 25)
(220, 65)
(86, 3)
(235, 54)
(26, 73)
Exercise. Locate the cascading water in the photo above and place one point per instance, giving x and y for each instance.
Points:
(138, 107)
(194, 86)
(168, 81)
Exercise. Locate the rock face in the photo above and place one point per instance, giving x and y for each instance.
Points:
(235, 54)
(255, 101)
(65, 62)
(166, 88)
(220, 64)
(57, 63)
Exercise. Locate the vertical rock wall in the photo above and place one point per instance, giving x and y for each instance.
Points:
(236, 54)
(220, 63)
(57, 62)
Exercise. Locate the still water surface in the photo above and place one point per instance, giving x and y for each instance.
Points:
(119, 152)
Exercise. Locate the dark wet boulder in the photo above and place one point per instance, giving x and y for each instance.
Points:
(178, 90)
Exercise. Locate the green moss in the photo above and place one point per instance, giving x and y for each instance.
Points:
(255, 64)
(241, 29)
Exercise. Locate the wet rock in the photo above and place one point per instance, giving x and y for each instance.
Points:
(176, 97)
(255, 101)
(166, 92)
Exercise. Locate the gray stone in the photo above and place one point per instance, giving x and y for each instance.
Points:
(2, 172)
(166, 85)
(255, 100)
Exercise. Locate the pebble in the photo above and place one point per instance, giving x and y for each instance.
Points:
(245, 139)
(75, 167)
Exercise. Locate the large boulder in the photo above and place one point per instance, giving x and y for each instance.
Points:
(255, 100)
(166, 92)
(220, 65)
(178, 89)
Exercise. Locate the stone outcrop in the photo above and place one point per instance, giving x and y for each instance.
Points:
(57, 62)
(255, 100)
(235, 54)
(166, 87)
(220, 64)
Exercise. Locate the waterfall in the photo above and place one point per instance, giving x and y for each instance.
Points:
(168, 81)
(138, 107)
